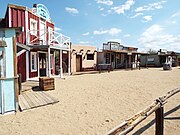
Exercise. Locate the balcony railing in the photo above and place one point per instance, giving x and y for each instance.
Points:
(44, 37)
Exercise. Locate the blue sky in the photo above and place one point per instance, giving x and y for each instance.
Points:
(146, 24)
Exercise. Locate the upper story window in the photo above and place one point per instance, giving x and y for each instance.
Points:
(33, 27)
(50, 33)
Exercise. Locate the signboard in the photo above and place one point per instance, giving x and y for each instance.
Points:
(150, 59)
(106, 46)
(114, 46)
(42, 11)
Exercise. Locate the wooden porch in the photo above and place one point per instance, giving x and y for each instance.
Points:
(32, 97)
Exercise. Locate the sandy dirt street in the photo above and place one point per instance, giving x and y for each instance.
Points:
(95, 103)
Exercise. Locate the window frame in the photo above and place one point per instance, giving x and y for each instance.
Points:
(33, 30)
(90, 57)
(35, 62)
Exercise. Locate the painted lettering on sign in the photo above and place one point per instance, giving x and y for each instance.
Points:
(43, 12)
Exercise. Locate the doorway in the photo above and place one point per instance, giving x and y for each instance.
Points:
(78, 63)
(42, 64)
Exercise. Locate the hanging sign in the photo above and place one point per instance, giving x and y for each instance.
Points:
(42, 11)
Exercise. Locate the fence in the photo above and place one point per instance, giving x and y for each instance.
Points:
(157, 107)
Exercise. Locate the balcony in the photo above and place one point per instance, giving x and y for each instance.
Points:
(48, 37)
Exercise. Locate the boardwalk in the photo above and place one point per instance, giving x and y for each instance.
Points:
(30, 100)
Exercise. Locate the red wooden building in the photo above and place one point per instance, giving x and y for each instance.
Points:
(38, 41)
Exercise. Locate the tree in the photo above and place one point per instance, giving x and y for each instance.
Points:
(151, 51)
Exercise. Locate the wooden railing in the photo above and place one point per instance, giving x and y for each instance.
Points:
(48, 38)
(157, 107)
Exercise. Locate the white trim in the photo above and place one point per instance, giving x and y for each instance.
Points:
(10, 23)
(35, 61)
(2, 97)
(50, 31)
(49, 62)
(38, 64)
(44, 32)
(32, 30)
(27, 26)
(21, 52)
(27, 65)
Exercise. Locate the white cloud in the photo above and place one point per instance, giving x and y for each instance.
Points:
(127, 35)
(151, 6)
(86, 34)
(57, 29)
(147, 18)
(156, 37)
(84, 42)
(177, 14)
(72, 10)
(101, 9)
(105, 2)
(96, 32)
(136, 15)
(122, 8)
(115, 40)
(112, 32)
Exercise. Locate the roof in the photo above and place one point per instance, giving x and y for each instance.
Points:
(124, 51)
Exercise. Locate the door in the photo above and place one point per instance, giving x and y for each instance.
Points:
(42, 64)
(78, 63)
(43, 32)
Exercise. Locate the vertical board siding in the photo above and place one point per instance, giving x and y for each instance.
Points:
(22, 66)
(18, 20)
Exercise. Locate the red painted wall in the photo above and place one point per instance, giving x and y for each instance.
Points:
(18, 20)
(21, 66)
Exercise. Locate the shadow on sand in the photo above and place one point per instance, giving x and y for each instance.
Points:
(141, 130)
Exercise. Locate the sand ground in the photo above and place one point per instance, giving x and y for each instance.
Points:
(95, 103)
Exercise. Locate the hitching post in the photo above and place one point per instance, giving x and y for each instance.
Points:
(159, 120)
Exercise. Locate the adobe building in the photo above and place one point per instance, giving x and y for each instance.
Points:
(38, 42)
(83, 58)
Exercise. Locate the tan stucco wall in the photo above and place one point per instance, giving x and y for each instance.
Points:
(85, 63)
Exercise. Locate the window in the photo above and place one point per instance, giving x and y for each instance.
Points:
(33, 27)
(33, 62)
(2, 63)
(50, 33)
(90, 56)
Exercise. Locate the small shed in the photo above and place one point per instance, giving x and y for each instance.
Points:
(8, 70)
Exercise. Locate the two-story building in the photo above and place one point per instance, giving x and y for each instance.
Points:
(38, 42)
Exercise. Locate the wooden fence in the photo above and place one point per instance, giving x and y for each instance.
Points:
(157, 107)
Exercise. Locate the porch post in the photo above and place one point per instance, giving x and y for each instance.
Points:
(27, 65)
(69, 62)
(61, 68)
(54, 64)
(49, 62)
